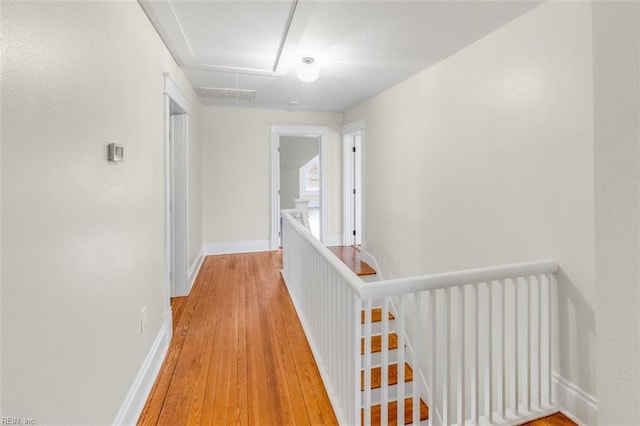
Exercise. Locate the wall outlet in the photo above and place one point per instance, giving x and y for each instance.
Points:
(143, 320)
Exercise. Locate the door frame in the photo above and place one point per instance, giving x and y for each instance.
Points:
(176, 107)
(278, 130)
(352, 162)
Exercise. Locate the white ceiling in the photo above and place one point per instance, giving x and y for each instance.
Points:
(362, 47)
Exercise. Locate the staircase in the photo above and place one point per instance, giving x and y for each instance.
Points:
(351, 256)
(486, 332)
(376, 375)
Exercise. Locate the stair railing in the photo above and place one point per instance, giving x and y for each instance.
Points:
(479, 341)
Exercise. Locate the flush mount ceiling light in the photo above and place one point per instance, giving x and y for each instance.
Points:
(308, 70)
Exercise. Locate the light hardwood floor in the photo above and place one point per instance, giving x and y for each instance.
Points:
(239, 354)
(557, 419)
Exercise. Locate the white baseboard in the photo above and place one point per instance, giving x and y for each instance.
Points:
(236, 247)
(192, 273)
(575, 403)
(139, 391)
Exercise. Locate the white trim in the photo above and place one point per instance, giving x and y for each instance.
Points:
(275, 186)
(324, 186)
(179, 197)
(575, 403)
(299, 130)
(354, 127)
(350, 181)
(347, 225)
(175, 92)
(193, 271)
(139, 392)
(321, 132)
(236, 247)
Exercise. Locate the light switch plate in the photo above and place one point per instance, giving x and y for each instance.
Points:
(116, 153)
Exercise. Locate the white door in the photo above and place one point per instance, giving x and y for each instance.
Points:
(352, 188)
(357, 189)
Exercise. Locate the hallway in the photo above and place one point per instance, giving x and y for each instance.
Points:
(238, 354)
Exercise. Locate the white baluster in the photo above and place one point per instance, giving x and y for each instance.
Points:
(488, 370)
(367, 363)
(514, 350)
(356, 309)
(461, 357)
(401, 357)
(527, 330)
(431, 343)
(384, 400)
(502, 352)
(475, 359)
(446, 379)
(539, 338)
(417, 334)
(549, 336)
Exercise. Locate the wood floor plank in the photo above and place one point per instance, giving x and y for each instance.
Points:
(217, 351)
(198, 395)
(557, 419)
(153, 408)
(293, 409)
(241, 414)
(188, 368)
(239, 354)
(177, 308)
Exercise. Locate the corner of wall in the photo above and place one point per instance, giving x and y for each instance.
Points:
(575, 403)
(193, 271)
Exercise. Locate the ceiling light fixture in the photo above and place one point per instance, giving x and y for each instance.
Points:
(308, 70)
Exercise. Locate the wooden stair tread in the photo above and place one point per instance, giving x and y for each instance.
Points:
(376, 343)
(353, 259)
(376, 315)
(376, 376)
(376, 411)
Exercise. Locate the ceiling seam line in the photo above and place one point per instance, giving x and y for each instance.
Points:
(285, 35)
(184, 35)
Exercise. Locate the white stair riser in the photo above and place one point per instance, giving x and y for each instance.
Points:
(376, 394)
(376, 327)
(376, 358)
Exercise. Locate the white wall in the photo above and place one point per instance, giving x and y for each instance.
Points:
(237, 176)
(487, 158)
(82, 239)
(295, 152)
(616, 52)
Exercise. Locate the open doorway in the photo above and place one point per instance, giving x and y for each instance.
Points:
(299, 170)
(300, 175)
(176, 202)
